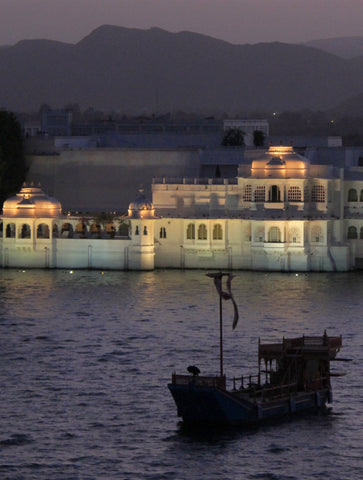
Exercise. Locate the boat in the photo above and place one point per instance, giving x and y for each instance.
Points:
(293, 377)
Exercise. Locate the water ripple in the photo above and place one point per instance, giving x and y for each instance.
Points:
(85, 360)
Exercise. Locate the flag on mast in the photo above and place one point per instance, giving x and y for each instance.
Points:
(226, 295)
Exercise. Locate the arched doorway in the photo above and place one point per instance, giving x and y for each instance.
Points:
(274, 194)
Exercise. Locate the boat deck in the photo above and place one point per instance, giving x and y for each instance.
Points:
(301, 346)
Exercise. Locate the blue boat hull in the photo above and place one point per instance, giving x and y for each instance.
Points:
(204, 404)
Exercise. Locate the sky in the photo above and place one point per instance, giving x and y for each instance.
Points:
(236, 21)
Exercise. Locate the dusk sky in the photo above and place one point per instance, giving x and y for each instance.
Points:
(237, 21)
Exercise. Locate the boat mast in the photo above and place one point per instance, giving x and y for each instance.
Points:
(220, 335)
(218, 278)
(226, 295)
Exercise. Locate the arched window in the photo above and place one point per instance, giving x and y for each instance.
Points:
(25, 231)
(352, 233)
(123, 229)
(361, 196)
(259, 194)
(10, 230)
(55, 232)
(95, 229)
(137, 230)
(352, 195)
(67, 230)
(162, 232)
(191, 231)
(361, 233)
(217, 232)
(43, 231)
(110, 228)
(202, 232)
(294, 194)
(318, 194)
(81, 228)
(274, 235)
(145, 230)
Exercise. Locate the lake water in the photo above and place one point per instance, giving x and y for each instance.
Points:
(86, 357)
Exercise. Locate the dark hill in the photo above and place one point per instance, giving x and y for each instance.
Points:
(142, 71)
(352, 107)
(346, 47)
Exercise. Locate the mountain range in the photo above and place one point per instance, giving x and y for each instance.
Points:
(137, 71)
(346, 47)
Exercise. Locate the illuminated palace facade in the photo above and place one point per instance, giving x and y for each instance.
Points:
(279, 214)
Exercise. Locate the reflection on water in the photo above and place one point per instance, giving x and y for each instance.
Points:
(86, 356)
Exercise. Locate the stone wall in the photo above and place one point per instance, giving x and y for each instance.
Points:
(106, 180)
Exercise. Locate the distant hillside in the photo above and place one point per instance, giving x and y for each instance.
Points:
(352, 107)
(143, 71)
(345, 47)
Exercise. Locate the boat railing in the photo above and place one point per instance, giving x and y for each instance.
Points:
(249, 381)
(303, 344)
(278, 391)
(253, 383)
(199, 380)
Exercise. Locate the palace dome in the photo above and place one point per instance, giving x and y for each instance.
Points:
(141, 207)
(31, 202)
(280, 161)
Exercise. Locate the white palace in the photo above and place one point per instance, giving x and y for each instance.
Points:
(280, 213)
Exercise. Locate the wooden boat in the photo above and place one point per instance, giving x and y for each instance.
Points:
(293, 376)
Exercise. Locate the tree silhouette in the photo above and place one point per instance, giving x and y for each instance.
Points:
(12, 159)
(258, 138)
(233, 138)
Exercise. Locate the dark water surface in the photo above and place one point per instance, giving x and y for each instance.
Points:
(85, 359)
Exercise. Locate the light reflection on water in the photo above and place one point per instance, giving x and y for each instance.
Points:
(85, 358)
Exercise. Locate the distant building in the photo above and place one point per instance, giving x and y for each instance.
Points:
(56, 122)
(279, 213)
(35, 234)
(248, 127)
(31, 128)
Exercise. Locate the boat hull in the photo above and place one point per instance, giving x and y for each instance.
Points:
(212, 405)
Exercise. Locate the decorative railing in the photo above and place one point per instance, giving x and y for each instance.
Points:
(194, 181)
